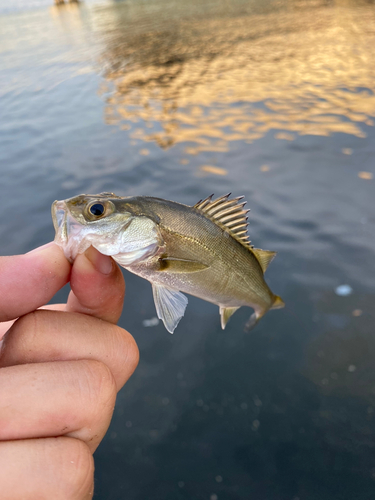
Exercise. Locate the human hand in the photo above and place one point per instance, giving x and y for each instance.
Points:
(60, 370)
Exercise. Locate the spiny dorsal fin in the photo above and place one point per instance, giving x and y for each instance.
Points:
(229, 214)
(265, 257)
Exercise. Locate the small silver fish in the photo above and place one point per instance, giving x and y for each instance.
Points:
(202, 250)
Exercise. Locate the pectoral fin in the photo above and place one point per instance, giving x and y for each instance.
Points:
(226, 313)
(181, 266)
(170, 305)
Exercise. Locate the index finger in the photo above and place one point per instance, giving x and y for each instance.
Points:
(31, 280)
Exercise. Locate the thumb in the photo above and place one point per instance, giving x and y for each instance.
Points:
(31, 280)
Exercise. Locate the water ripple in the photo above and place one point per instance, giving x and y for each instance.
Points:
(208, 82)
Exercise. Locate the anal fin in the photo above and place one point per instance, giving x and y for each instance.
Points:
(226, 313)
(170, 305)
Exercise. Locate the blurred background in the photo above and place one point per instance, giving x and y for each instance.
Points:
(270, 99)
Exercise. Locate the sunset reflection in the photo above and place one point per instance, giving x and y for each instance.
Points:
(206, 83)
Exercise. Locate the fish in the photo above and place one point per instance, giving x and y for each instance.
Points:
(202, 250)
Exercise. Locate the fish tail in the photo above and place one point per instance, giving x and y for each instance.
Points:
(254, 318)
(278, 302)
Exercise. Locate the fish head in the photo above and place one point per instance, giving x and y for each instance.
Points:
(105, 221)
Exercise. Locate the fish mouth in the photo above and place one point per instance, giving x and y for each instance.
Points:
(68, 231)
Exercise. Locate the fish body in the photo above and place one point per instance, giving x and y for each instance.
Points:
(201, 250)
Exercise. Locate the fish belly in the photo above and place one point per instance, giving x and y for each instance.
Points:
(220, 284)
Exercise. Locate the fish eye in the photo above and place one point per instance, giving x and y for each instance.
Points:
(97, 209)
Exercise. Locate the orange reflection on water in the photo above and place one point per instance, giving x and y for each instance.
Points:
(229, 78)
(211, 169)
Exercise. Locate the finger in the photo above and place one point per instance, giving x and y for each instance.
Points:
(31, 280)
(72, 398)
(54, 335)
(4, 327)
(98, 287)
(53, 307)
(57, 468)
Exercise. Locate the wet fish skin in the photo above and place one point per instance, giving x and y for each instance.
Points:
(200, 250)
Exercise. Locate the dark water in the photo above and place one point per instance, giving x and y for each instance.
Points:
(272, 100)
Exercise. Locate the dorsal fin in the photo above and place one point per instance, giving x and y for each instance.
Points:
(265, 257)
(228, 214)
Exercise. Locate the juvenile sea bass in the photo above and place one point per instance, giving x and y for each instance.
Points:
(202, 250)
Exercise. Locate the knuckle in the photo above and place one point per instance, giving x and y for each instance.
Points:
(58, 468)
(20, 336)
(32, 321)
(28, 322)
(124, 348)
(101, 384)
(132, 355)
(77, 479)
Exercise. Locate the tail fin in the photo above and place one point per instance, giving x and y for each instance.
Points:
(278, 303)
(254, 318)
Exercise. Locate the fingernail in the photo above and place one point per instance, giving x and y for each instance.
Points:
(43, 247)
(103, 263)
